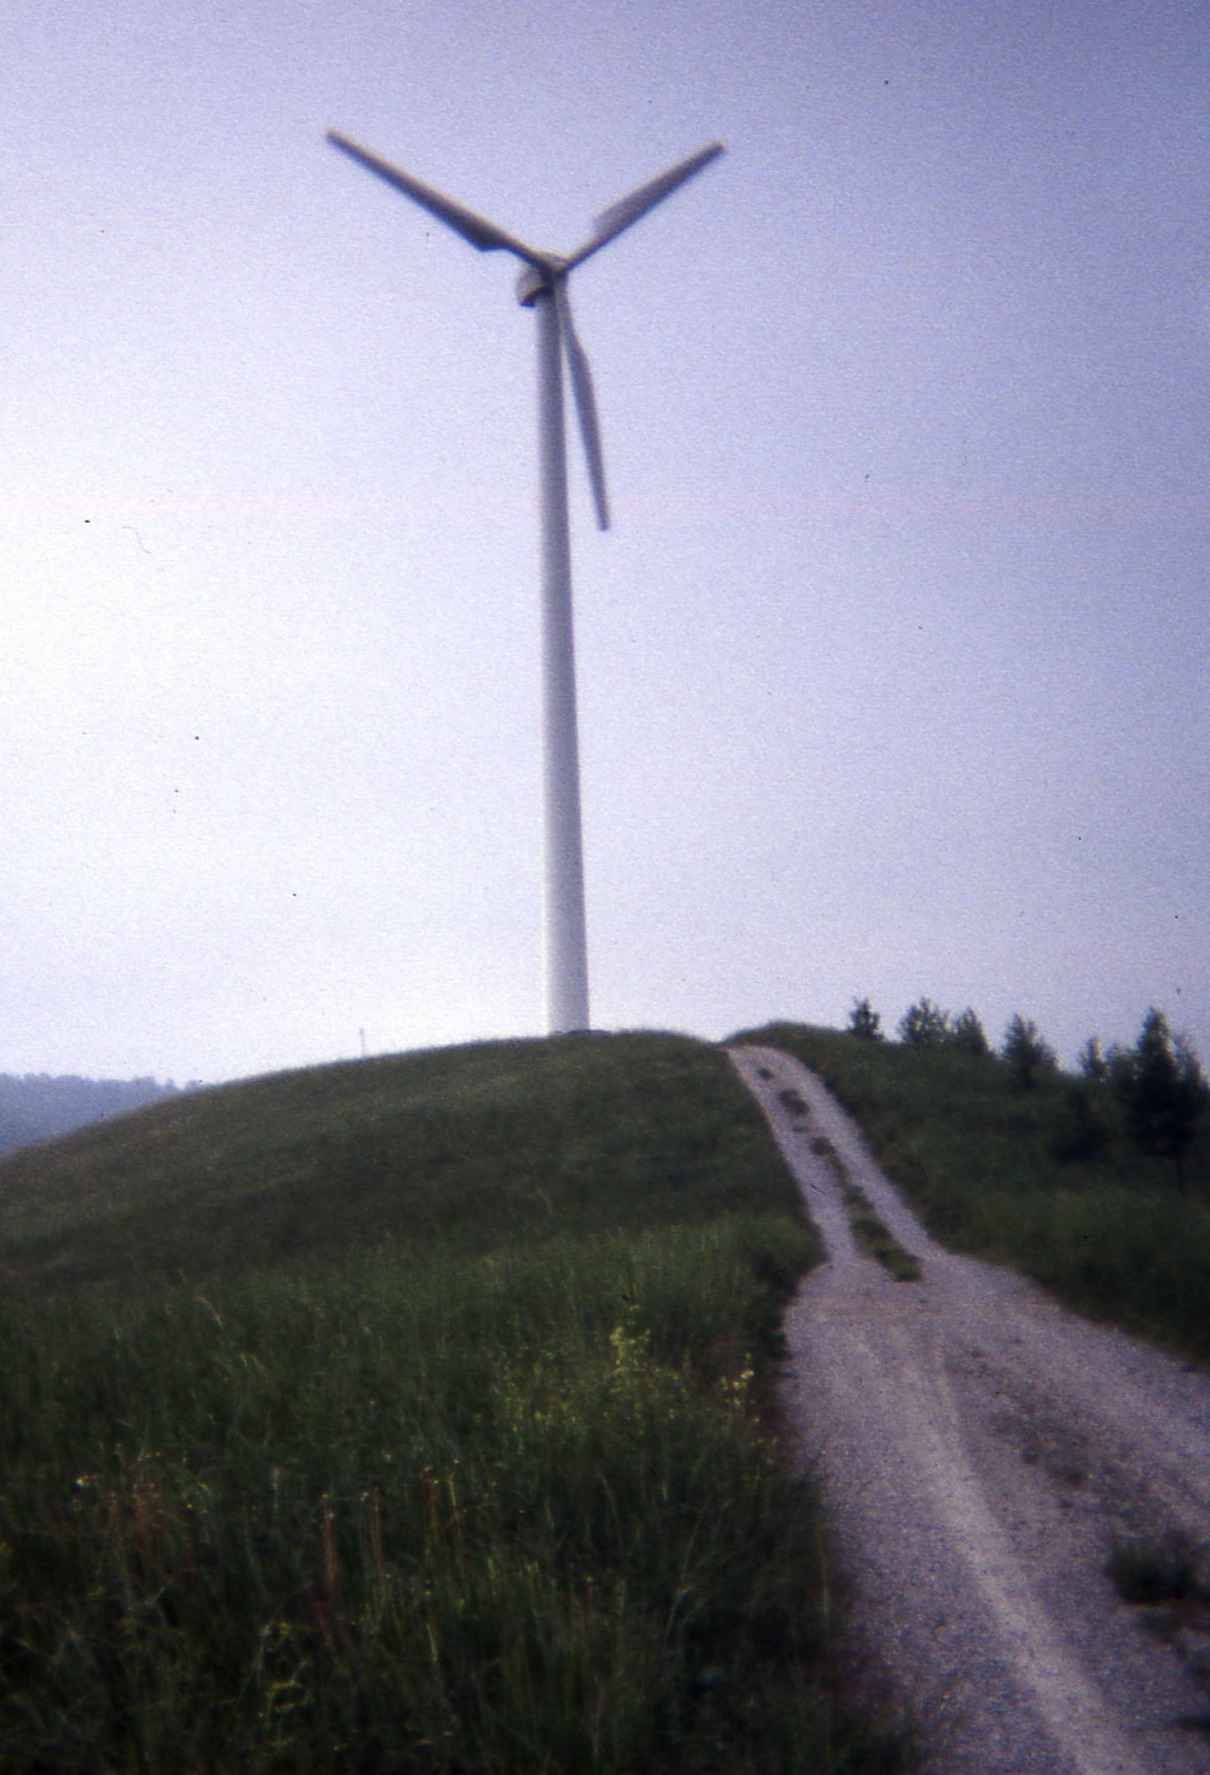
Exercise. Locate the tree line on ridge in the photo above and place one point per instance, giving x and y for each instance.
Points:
(1158, 1086)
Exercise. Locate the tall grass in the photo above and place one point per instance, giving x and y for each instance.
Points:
(975, 1154)
(459, 1464)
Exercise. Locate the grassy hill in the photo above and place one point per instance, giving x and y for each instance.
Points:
(411, 1415)
(417, 1414)
(461, 1150)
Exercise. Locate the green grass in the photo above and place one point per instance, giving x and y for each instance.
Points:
(412, 1415)
(874, 1236)
(871, 1233)
(1114, 1237)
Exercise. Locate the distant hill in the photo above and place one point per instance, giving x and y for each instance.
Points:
(35, 1106)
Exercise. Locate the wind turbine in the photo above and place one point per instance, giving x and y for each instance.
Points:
(542, 286)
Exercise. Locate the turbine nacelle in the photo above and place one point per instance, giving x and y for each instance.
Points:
(532, 281)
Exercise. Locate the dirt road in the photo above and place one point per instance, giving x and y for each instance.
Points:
(982, 1450)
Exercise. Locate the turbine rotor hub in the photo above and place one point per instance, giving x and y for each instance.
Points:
(535, 280)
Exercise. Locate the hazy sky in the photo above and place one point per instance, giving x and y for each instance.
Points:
(893, 669)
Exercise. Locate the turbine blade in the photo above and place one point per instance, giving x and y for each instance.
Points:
(628, 211)
(586, 402)
(482, 234)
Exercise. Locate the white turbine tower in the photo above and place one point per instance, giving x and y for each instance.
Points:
(542, 286)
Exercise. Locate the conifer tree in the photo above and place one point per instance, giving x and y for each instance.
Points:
(864, 1021)
(1026, 1053)
(966, 1033)
(924, 1025)
(1167, 1092)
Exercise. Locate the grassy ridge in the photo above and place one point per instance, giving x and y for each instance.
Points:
(408, 1416)
(974, 1155)
(465, 1148)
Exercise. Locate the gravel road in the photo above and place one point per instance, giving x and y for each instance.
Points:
(982, 1450)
